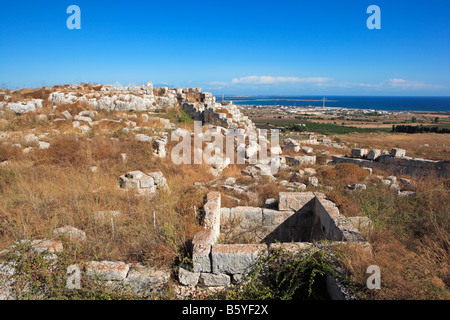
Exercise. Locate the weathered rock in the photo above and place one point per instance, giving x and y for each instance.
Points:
(7, 281)
(291, 145)
(143, 138)
(307, 150)
(144, 280)
(82, 119)
(43, 145)
(66, 114)
(405, 181)
(357, 186)
(294, 200)
(247, 216)
(395, 186)
(313, 181)
(405, 193)
(46, 245)
(212, 214)
(230, 181)
(235, 258)
(201, 250)
(359, 153)
(71, 232)
(188, 278)
(107, 270)
(214, 280)
(145, 184)
(398, 153)
(374, 154)
(309, 171)
(363, 224)
(299, 160)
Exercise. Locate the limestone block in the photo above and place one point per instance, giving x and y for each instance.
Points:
(214, 280)
(107, 270)
(291, 145)
(363, 224)
(359, 153)
(248, 216)
(299, 160)
(143, 138)
(201, 251)
(275, 217)
(374, 154)
(235, 258)
(188, 278)
(398, 153)
(144, 280)
(294, 200)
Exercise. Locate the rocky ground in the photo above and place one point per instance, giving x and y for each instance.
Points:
(86, 175)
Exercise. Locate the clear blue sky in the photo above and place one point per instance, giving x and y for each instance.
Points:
(231, 47)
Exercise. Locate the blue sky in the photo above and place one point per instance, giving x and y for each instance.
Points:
(231, 47)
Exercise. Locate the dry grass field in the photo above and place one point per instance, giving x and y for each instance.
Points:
(45, 189)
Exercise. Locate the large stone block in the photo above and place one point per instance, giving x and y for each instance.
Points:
(359, 153)
(41, 246)
(248, 216)
(300, 160)
(275, 217)
(291, 145)
(294, 200)
(144, 280)
(214, 280)
(235, 258)
(188, 278)
(398, 153)
(107, 270)
(374, 154)
(212, 214)
(201, 250)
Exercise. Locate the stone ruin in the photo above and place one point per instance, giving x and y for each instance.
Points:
(300, 219)
(144, 184)
(396, 162)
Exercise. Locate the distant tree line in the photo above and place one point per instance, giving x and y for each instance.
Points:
(419, 129)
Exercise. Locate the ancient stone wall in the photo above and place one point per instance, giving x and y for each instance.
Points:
(302, 217)
(397, 163)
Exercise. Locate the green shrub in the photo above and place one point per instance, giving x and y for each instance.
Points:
(282, 275)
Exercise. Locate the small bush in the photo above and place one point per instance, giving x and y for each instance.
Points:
(282, 275)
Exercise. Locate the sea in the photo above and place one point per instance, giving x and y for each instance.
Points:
(393, 103)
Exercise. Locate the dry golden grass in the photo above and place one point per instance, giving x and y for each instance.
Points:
(410, 242)
(59, 189)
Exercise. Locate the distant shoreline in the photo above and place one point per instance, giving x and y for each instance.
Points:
(379, 103)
